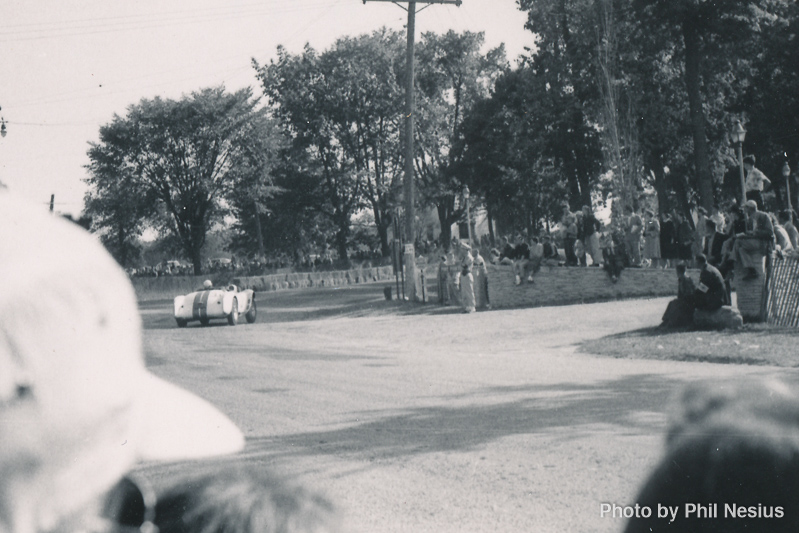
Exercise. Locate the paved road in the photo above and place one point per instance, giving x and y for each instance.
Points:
(423, 419)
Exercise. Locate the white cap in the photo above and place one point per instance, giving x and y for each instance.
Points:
(77, 406)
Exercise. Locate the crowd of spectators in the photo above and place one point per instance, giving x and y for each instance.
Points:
(258, 267)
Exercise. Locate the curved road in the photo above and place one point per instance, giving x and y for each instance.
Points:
(418, 418)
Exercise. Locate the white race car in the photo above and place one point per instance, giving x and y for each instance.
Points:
(209, 303)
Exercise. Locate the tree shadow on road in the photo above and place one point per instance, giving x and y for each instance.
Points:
(631, 404)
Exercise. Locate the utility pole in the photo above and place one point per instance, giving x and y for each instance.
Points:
(410, 230)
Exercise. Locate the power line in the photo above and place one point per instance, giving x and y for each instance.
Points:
(81, 94)
(80, 29)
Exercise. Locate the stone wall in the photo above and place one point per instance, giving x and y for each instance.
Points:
(751, 292)
(556, 285)
(171, 286)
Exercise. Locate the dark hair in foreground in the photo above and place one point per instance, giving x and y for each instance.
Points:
(239, 500)
(735, 446)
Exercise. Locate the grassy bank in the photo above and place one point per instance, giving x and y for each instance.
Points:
(755, 344)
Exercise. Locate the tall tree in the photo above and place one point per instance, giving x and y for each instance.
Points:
(705, 40)
(182, 152)
(306, 93)
(504, 156)
(116, 203)
(453, 75)
(564, 67)
(365, 75)
(770, 100)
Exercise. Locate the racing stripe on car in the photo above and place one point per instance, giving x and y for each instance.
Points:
(199, 308)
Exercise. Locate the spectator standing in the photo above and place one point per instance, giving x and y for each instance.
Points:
(755, 181)
(715, 243)
(443, 284)
(569, 231)
(612, 258)
(633, 231)
(590, 235)
(668, 234)
(480, 272)
(685, 238)
(467, 280)
(652, 239)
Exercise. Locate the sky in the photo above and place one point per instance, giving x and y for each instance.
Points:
(67, 67)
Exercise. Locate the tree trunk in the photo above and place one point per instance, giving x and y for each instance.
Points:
(445, 238)
(197, 262)
(342, 236)
(704, 178)
(382, 231)
(490, 220)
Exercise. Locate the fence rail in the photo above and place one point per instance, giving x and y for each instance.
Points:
(782, 305)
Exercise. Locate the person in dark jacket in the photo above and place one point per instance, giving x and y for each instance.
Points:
(684, 237)
(710, 292)
(680, 311)
(668, 235)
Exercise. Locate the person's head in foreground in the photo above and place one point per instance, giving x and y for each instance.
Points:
(731, 462)
(750, 206)
(239, 500)
(77, 407)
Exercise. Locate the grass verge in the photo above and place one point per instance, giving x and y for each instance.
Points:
(755, 344)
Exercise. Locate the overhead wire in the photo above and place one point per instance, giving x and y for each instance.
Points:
(80, 94)
(79, 28)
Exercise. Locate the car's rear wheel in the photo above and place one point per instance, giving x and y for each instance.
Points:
(181, 323)
(252, 313)
(233, 317)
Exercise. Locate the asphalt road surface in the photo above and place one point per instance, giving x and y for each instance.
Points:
(419, 418)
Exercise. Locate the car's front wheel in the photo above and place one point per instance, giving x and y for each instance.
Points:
(233, 317)
(252, 313)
